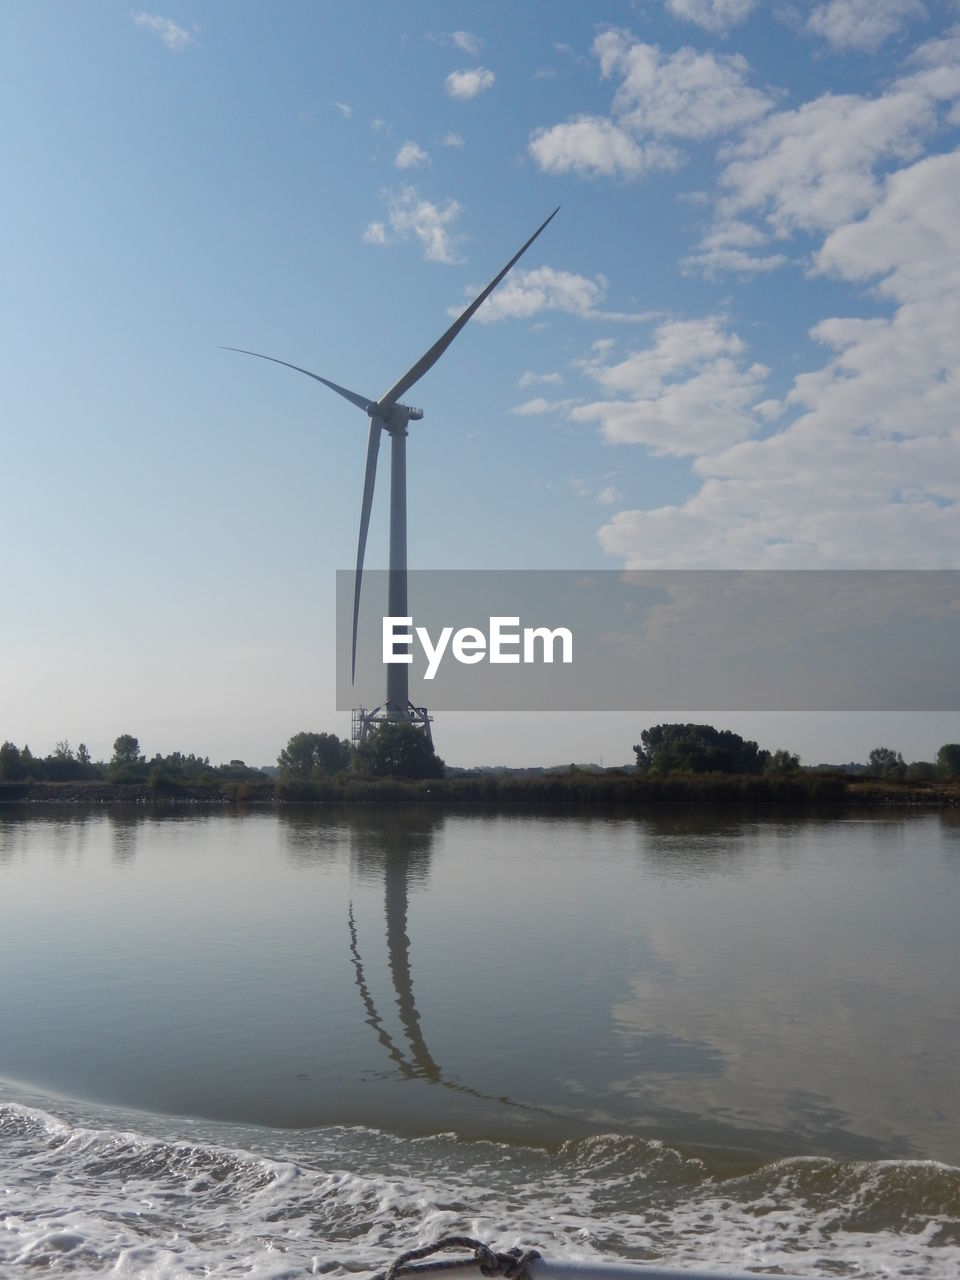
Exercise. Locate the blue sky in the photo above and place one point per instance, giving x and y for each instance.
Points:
(735, 346)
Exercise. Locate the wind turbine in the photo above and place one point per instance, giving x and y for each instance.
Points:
(388, 414)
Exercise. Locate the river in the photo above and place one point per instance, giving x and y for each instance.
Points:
(282, 1042)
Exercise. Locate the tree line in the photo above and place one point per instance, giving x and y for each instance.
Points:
(394, 750)
(400, 750)
(126, 765)
(700, 748)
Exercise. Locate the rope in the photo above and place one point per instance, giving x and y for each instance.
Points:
(513, 1264)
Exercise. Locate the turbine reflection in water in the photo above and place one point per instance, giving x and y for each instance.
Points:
(398, 845)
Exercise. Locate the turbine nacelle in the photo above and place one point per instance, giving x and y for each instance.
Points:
(395, 416)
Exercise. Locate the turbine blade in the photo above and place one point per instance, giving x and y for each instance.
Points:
(430, 358)
(362, 402)
(369, 478)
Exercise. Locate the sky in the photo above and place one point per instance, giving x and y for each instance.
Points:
(736, 345)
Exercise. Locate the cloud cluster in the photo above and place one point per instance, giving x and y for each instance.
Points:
(175, 38)
(593, 145)
(808, 169)
(732, 247)
(867, 471)
(689, 393)
(858, 463)
(411, 156)
(539, 405)
(526, 293)
(411, 217)
(465, 41)
(862, 24)
(717, 16)
(464, 85)
(661, 99)
(684, 94)
(816, 167)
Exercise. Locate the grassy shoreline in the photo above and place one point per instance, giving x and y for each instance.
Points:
(795, 791)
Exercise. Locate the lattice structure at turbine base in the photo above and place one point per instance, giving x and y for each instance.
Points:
(365, 722)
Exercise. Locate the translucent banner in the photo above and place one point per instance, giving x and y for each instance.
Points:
(607, 640)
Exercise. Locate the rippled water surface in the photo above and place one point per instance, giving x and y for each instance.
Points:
(306, 1040)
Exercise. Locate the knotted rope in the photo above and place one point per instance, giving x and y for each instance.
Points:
(513, 1264)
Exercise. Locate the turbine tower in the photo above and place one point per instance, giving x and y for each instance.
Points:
(389, 415)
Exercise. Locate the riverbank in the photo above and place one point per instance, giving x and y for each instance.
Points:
(578, 787)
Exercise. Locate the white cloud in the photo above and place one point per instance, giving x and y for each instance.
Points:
(867, 474)
(530, 379)
(538, 405)
(730, 247)
(679, 345)
(681, 95)
(411, 217)
(467, 43)
(345, 109)
(689, 393)
(411, 156)
(468, 84)
(820, 165)
(175, 38)
(685, 94)
(815, 167)
(862, 24)
(593, 145)
(717, 16)
(717, 261)
(526, 293)
(910, 239)
(941, 51)
(609, 496)
(451, 139)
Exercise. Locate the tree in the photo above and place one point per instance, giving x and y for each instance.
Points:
(782, 762)
(886, 763)
(11, 766)
(62, 765)
(697, 748)
(313, 754)
(398, 749)
(921, 771)
(83, 755)
(948, 760)
(126, 750)
(127, 764)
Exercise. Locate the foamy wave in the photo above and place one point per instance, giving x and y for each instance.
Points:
(82, 1200)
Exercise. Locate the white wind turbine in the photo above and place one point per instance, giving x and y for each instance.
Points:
(389, 415)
